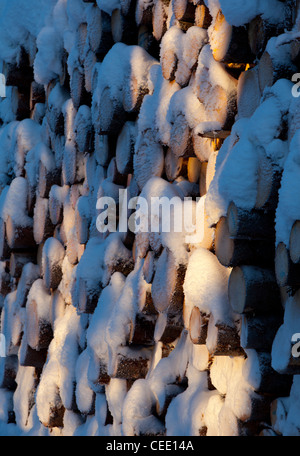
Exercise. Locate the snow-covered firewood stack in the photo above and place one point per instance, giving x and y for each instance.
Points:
(153, 332)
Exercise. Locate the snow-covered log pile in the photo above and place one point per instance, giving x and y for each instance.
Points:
(154, 332)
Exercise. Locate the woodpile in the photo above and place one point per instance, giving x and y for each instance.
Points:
(111, 330)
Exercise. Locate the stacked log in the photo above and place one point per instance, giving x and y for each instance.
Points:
(112, 327)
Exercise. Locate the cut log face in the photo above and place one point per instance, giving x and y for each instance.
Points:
(278, 414)
(184, 10)
(142, 330)
(88, 297)
(181, 134)
(159, 19)
(254, 224)
(223, 340)
(123, 27)
(47, 178)
(18, 261)
(236, 252)
(226, 49)
(114, 175)
(203, 18)
(133, 365)
(8, 372)
(258, 332)
(125, 148)
(52, 259)
(42, 226)
(143, 14)
(193, 170)
(149, 266)
(269, 180)
(56, 412)
(287, 272)
(253, 289)
(198, 326)
(263, 378)
(168, 328)
(271, 70)
(171, 392)
(174, 166)
(260, 31)
(169, 64)
(39, 330)
(294, 247)
(4, 248)
(248, 92)
(112, 118)
(30, 357)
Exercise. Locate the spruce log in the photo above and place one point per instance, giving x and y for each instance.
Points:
(235, 48)
(174, 166)
(271, 69)
(8, 371)
(269, 180)
(184, 10)
(258, 332)
(198, 326)
(30, 357)
(253, 289)
(4, 248)
(37, 94)
(112, 114)
(278, 413)
(294, 246)
(52, 259)
(88, 296)
(202, 179)
(248, 92)
(57, 196)
(149, 266)
(125, 148)
(259, 33)
(39, 331)
(143, 13)
(258, 372)
(47, 178)
(114, 175)
(79, 94)
(287, 272)
(193, 170)
(250, 224)
(104, 146)
(222, 339)
(142, 330)
(236, 252)
(18, 261)
(159, 19)
(168, 328)
(131, 364)
(203, 18)
(42, 225)
(19, 237)
(30, 273)
(181, 134)
(168, 297)
(123, 27)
